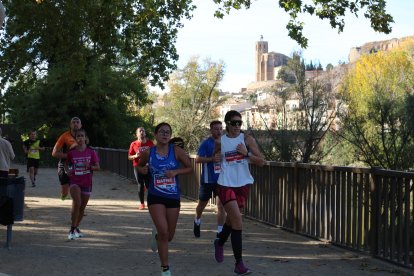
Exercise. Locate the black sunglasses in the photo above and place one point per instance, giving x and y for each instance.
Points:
(235, 122)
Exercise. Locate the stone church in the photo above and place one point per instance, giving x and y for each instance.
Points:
(267, 63)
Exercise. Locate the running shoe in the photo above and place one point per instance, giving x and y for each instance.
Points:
(196, 229)
(166, 273)
(154, 244)
(142, 206)
(71, 235)
(33, 184)
(78, 233)
(241, 269)
(218, 251)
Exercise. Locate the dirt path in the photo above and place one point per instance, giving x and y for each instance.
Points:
(117, 235)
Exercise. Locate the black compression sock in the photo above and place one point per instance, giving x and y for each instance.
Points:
(236, 243)
(224, 234)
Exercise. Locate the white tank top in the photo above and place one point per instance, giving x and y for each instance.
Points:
(234, 166)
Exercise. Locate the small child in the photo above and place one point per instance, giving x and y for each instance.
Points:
(80, 163)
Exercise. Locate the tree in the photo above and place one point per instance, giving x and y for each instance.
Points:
(309, 66)
(285, 75)
(329, 67)
(89, 58)
(320, 68)
(377, 118)
(276, 140)
(318, 107)
(191, 103)
(334, 11)
(301, 129)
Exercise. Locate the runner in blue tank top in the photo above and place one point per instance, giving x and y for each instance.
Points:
(160, 184)
(164, 162)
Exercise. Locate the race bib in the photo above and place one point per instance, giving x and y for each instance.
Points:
(217, 167)
(82, 172)
(233, 157)
(80, 169)
(165, 184)
(142, 149)
(161, 181)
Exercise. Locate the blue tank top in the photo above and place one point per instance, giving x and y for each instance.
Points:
(160, 184)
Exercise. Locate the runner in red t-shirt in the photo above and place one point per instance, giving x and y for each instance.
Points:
(135, 150)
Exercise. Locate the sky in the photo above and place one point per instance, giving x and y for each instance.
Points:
(232, 39)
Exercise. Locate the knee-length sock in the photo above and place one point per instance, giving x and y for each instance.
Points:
(236, 244)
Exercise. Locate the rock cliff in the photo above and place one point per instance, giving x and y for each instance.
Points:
(372, 47)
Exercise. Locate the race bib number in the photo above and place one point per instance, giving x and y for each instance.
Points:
(217, 167)
(80, 169)
(162, 181)
(142, 149)
(233, 157)
(82, 172)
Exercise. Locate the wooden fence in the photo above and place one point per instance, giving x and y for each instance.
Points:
(368, 210)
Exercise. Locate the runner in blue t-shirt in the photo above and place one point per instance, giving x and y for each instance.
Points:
(209, 175)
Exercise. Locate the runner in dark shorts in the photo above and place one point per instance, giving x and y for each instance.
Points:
(208, 179)
(32, 148)
(65, 142)
(164, 162)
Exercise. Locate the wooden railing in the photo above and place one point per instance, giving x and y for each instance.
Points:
(369, 210)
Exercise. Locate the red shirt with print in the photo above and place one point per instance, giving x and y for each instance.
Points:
(139, 147)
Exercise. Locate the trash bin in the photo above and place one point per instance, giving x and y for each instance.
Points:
(14, 188)
(19, 185)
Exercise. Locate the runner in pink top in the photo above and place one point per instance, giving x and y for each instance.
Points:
(80, 163)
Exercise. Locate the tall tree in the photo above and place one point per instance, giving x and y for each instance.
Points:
(317, 111)
(301, 128)
(332, 10)
(192, 101)
(377, 119)
(89, 58)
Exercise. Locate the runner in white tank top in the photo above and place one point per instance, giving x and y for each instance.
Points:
(236, 149)
(234, 165)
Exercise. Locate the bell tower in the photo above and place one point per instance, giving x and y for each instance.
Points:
(261, 48)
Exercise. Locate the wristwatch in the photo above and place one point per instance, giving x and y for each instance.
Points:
(249, 154)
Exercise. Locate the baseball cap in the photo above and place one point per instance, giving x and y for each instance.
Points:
(75, 119)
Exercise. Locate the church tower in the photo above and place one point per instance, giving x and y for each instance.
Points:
(261, 68)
